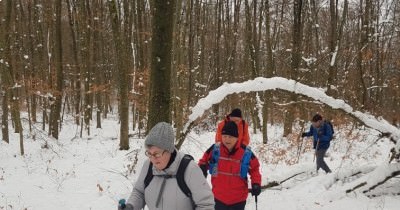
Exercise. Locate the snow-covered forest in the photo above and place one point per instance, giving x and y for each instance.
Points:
(82, 82)
(93, 173)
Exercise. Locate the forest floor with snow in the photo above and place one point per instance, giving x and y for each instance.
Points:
(92, 173)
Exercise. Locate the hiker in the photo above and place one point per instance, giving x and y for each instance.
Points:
(243, 127)
(229, 163)
(322, 133)
(163, 191)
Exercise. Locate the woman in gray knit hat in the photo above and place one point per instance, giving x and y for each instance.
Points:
(161, 189)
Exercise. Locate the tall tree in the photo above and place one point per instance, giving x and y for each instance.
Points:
(297, 37)
(57, 96)
(10, 86)
(76, 82)
(141, 37)
(335, 35)
(269, 71)
(6, 77)
(160, 77)
(87, 71)
(216, 52)
(121, 49)
(364, 53)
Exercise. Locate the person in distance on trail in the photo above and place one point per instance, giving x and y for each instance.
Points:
(243, 127)
(322, 134)
(229, 163)
(164, 191)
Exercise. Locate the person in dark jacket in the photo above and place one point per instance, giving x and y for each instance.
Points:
(322, 134)
(163, 192)
(229, 171)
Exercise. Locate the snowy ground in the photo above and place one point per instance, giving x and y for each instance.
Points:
(91, 173)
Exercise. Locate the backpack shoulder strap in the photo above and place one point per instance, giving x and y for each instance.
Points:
(213, 162)
(149, 175)
(245, 163)
(180, 175)
(215, 152)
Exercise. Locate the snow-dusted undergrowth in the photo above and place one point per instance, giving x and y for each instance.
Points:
(91, 173)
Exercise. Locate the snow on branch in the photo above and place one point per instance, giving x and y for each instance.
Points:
(263, 84)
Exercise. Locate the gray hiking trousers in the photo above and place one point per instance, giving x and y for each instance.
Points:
(320, 160)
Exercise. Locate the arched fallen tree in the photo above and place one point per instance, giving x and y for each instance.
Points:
(263, 84)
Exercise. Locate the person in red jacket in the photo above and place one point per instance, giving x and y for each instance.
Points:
(229, 163)
(243, 127)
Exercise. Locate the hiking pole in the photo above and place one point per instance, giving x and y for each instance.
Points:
(255, 198)
(299, 150)
(256, 203)
(316, 149)
(300, 138)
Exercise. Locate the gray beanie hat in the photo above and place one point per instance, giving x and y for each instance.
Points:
(162, 136)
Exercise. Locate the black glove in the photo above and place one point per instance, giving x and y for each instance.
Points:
(203, 168)
(303, 134)
(255, 189)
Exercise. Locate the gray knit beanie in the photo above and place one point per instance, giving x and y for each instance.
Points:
(162, 136)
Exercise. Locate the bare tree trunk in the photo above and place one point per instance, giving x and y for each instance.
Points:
(252, 46)
(215, 67)
(202, 44)
(9, 90)
(297, 37)
(88, 63)
(4, 117)
(331, 82)
(363, 55)
(160, 77)
(56, 106)
(28, 83)
(251, 40)
(17, 89)
(190, 52)
(6, 77)
(76, 82)
(315, 23)
(142, 37)
(335, 36)
(42, 77)
(270, 68)
(98, 58)
(120, 48)
(180, 87)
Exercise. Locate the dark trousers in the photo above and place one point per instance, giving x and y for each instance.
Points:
(237, 206)
(320, 160)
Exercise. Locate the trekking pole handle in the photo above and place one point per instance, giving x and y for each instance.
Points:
(121, 203)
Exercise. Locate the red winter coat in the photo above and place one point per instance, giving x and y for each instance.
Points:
(227, 185)
(243, 130)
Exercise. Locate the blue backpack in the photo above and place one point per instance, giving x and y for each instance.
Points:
(244, 163)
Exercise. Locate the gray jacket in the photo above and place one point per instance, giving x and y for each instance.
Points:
(172, 198)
